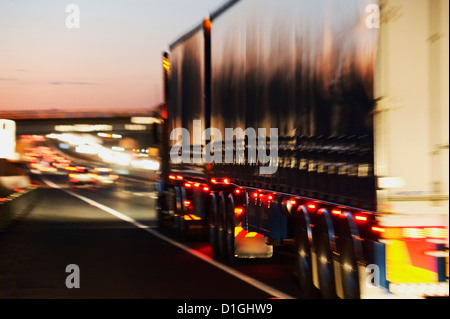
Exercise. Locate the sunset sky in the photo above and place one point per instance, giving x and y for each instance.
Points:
(112, 61)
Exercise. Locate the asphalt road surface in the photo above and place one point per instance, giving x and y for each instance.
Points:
(110, 234)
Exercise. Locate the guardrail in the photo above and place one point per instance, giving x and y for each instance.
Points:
(16, 205)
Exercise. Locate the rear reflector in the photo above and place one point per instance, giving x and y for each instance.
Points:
(191, 217)
(240, 232)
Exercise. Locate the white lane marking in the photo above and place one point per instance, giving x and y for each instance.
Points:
(251, 281)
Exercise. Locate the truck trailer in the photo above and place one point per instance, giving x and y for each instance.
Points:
(355, 174)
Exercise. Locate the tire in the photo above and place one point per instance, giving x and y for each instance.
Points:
(221, 230)
(162, 220)
(166, 203)
(180, 224)
(349, 251)
(303, 264)
(230, 224)
(178, 201)
(349, 270)
(213, 226)
(327, 284)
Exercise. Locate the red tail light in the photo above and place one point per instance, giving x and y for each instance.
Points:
(361, 218)
(188, 185)
(238, 211)
(187, 203)
(237, 191)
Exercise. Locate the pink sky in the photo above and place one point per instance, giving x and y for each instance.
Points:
(111, 61)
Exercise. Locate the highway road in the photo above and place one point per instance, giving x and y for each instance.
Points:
(110, 234)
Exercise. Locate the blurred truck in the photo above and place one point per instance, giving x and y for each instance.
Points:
(12, 176)
(358, 91)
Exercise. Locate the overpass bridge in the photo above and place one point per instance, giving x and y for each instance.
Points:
(141, 125)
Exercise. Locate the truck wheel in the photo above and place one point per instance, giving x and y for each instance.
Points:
(350, 251)
(303, 253)
(163, 221)
(213, 226)
(325, 261)
(349, 270)
(230, 224)
(183, 227)
(166, 203)
(221, 229)
(159, 207)
(178, 201)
